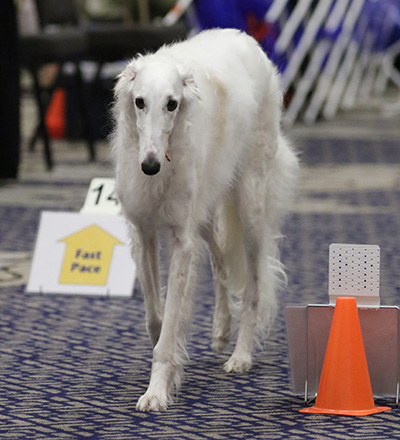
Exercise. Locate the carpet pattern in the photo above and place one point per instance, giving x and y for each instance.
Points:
(74, 367)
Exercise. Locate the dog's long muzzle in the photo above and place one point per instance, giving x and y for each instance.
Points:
(151, 165)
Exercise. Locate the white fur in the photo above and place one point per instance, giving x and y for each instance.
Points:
(226, 175)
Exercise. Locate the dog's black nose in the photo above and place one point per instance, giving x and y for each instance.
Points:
(151, 166)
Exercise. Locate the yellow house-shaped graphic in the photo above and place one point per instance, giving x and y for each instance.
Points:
(87, 257)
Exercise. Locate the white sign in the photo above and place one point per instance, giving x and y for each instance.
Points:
(82, 254)
(101, 198)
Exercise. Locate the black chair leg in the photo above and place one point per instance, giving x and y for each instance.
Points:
(45, 105)
(42, 120)
(97, 78)
(34, 138)
(85, 113)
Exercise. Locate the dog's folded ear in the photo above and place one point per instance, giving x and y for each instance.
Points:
(126, 77)
(123, 91)
(190, 89)
(131, 71)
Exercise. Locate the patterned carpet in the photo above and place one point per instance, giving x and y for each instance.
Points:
(74, 367)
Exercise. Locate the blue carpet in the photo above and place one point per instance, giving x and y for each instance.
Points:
(73, 367)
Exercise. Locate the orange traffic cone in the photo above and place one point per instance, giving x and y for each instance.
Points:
(55, 116)
(345, 385)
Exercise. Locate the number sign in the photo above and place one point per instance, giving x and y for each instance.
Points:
(101, 197)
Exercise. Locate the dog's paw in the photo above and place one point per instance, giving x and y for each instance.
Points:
(237, 365)
(152, 402)
(219, 343)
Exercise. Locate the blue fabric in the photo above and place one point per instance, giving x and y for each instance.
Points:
(236, 14)
(229, 13)
(220, 13)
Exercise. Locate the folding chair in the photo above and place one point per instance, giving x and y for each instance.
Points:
(60, 41)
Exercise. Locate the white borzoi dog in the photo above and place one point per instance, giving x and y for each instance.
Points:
(199, 154)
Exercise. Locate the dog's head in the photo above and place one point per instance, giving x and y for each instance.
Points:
(155, 93)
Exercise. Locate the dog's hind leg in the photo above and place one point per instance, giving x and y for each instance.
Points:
(170, 352)
(145, 253)
(250, 198)
(222, 312)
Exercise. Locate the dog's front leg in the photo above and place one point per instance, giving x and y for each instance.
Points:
(145, 252)
(169, 353)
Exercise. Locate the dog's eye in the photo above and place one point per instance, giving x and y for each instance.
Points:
(172, 105)
(139, 102)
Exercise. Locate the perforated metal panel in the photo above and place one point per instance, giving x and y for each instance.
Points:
(354, 271)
